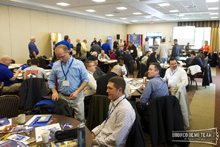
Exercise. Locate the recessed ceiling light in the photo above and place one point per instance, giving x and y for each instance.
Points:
(63, 4)
(211, 1)
(121, 8)
(172, 11)
(164, 4)
(109, 15)
(137, 13)
(123, 18)
(213, 14)
(98, 1)
(134, 21)
(214, 17)
(156, 19)
(91, 10)
(214, 8)
(185, 18)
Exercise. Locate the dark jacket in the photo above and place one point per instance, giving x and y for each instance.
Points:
(78, 47)
(98, 73)
(197, 61)
(136, 136)
(165, 116)
(102, 83)
(176, 51)
(127, 59)
(207, 78)
(31, 91)
(134, 49)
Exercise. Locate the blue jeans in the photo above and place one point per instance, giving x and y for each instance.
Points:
(162, 60)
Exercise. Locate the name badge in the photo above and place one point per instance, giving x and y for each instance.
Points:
(66, 83)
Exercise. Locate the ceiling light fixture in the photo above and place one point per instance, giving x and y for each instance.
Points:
(211, 1)
(91, 10)
(121, 8)
(148, 17)
(213, 14)
(98, 1)
(123, 18)
(63, 4)
(214, 17)
(134, 21)
(109, 15)
(164, 4)
(213, 8)
(137, 13)
(172, 11)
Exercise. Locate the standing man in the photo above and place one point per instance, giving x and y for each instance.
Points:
(64, 42)
(7, 76)
(84, 48)
(207, 49)
(176, 51)
(33, 51)
(106, 47)
(71, 47)
(78, 48)
(100, 43)
(115, 129)
(163, 51)
(145, 46)
(175, 75)
(72, 78)
(93, 42)
(187, 48)
(132, 49)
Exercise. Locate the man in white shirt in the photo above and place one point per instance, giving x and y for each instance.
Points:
(163, 51)
(102, 56)
(175, 75)
(121, 116)
(34, 71)
(90, 88)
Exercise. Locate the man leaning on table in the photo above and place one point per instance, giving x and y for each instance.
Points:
(175, 75)
(121, 116)
(7, 76)
(71, 77)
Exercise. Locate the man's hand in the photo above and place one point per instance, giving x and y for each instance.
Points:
(55, 96)
(171, 88)
(74, 95)
(93, 136)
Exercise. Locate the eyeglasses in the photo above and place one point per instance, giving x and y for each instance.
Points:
(61, 57)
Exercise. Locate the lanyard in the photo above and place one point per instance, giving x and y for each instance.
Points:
(67, 69)
(171, 74)
(110, 111)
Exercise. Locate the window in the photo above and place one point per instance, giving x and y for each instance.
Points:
(201, 35)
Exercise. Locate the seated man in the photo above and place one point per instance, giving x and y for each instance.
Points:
(196, 60)
(102, 56)
(144, 58)
(34, 71)
(123, 67)
(98, 72)
(8, 77)
(90, 88)
(175, 75)
(115, 129)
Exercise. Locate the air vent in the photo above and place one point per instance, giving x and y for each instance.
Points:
(191, 6)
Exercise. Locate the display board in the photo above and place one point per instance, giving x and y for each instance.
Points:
(184, 34)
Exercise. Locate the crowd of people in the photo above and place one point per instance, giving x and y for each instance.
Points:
(77, 81)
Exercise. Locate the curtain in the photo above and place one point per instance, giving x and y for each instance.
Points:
(214, 40)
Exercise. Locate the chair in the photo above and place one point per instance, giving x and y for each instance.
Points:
(165, 116)
(142, 70)
(131, 67)
(9, 105)
(136, 135)
(98, 110)
(1, 87)
(31, 91)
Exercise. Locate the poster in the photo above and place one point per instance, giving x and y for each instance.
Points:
(136, 39)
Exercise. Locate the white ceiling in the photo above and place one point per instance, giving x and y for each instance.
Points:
(189, 10)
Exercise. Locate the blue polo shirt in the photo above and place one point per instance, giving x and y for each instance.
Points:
(64, 42)
(5, 75)
(106, 47)
(32, 48)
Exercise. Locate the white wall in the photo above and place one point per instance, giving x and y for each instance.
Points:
(165, 28)
(17, 25)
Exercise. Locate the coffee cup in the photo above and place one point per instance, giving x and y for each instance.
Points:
(20, 118)
(45, 136)
(144, 79)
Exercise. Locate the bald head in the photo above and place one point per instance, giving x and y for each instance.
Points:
(117, 69)
(6, 60)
